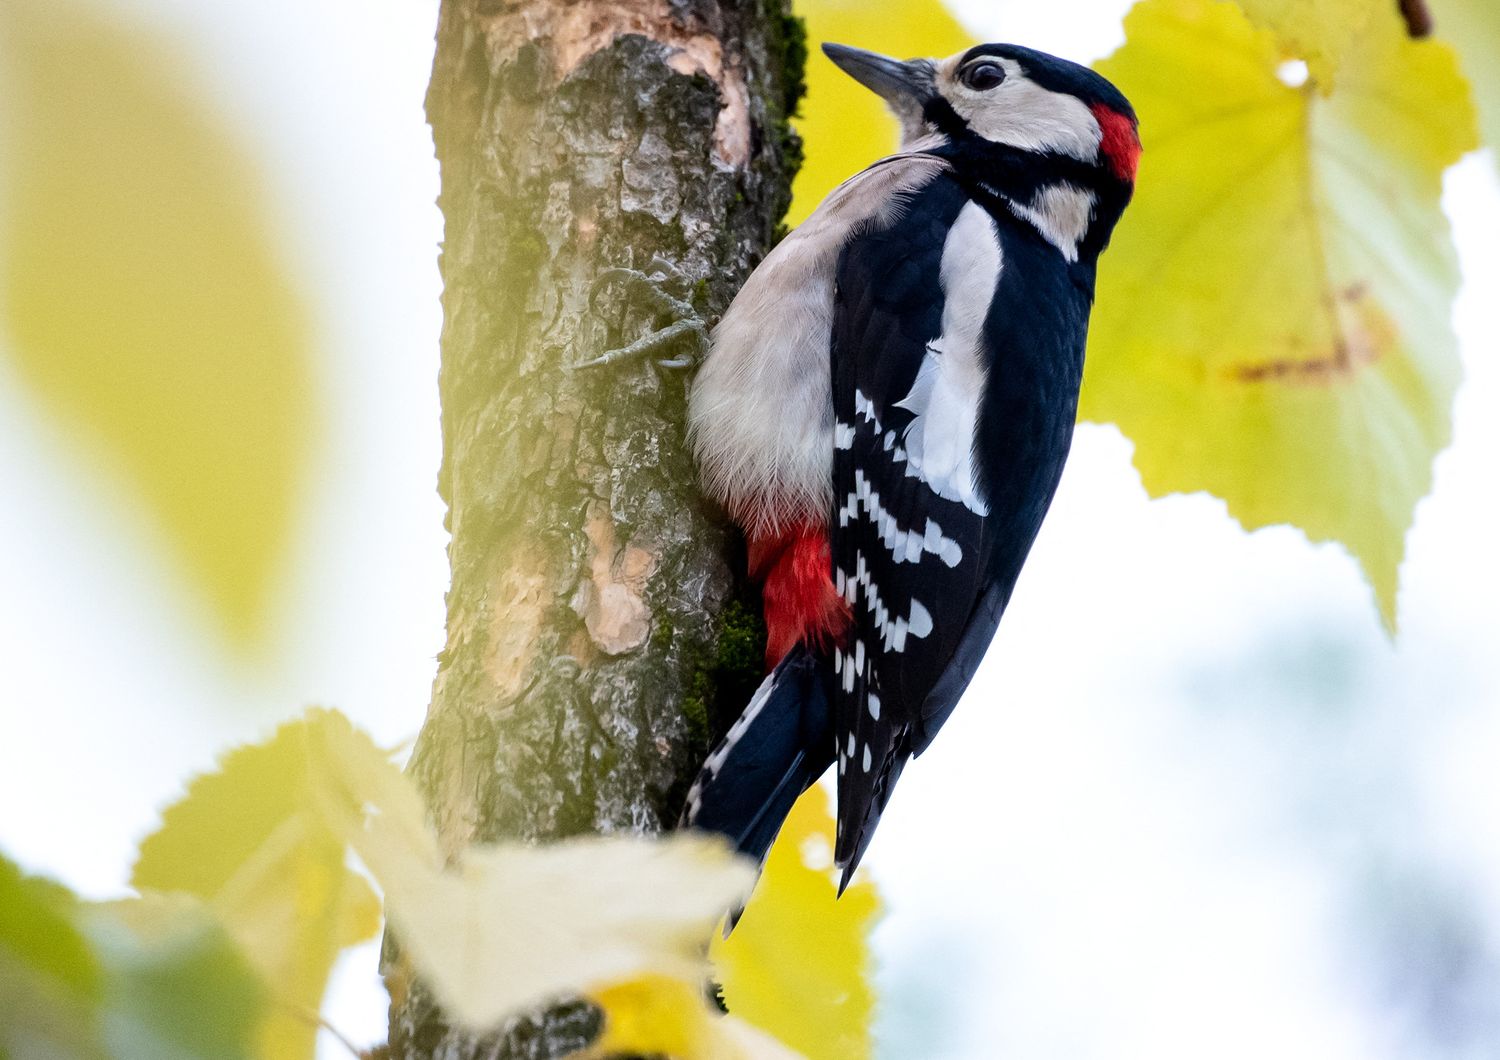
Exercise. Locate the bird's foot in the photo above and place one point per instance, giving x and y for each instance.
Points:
(685, 337)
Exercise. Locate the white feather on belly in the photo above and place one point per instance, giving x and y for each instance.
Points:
(761, 409)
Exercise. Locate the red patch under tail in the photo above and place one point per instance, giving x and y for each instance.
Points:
(797, 590)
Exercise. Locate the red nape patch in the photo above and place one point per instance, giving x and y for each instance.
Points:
(1121, 142)
(797, 590)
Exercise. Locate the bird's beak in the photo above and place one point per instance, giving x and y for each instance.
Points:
(899, 84)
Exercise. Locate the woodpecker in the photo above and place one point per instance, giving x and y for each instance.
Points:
(885, 410)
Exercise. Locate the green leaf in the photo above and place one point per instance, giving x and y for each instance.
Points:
(1273, 317)
(821, 1003)
(176, 986)
(845, 126)
(1473, 28)
(151, 977)
(250, 840)
(50, 982)
(143, 296)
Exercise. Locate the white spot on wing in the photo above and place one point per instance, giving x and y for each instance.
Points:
(920, 622)
(906, 546)
(944, 400)
(893, 632)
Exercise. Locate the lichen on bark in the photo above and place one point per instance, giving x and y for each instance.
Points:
(585, 666)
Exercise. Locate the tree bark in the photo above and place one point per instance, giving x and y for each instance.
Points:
(597, 636)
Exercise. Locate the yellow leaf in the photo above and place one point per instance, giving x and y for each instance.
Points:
(1272, 323)
(653, 1016)
(1473, 28)
(143, 298)
(506, 928)
(250, 840)
(1320, 32)
(798, 964)
(662, 1016)
(845, 126)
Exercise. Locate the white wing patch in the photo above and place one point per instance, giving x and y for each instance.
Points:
(944, 400)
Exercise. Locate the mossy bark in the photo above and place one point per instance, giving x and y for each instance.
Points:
(591, 651)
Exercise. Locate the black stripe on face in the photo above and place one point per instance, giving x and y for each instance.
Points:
(939, 113)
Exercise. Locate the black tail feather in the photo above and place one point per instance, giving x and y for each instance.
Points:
(859, 838)
(779, 747)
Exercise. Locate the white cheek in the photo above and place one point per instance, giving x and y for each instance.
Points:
(1023, 114)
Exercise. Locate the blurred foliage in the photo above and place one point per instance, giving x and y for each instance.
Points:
(175, 986)
(149, 977)
(1473, 28)
(142, 296)
(845, 126)
(1320, 32)
(663, 1016)
(820, 1002)
(497, 930)
(249, 841)
(1273, 320)
(51, 983)
(506, 928)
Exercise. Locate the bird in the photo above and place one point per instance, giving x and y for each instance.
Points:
(885, 410)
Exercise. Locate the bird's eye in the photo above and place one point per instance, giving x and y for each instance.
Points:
(982, 77)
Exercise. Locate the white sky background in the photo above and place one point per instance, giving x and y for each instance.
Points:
(1196, 804)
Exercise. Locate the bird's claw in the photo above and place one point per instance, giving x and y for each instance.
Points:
(652, 287)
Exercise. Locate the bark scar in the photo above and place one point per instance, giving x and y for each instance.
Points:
(577, 29)
(518, 605)
(611, 600)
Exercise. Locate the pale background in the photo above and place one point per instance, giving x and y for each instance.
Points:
(1197, 803)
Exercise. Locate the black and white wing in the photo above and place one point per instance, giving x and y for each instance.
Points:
(912, 538)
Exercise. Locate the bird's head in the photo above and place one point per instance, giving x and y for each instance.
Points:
(1007, 100)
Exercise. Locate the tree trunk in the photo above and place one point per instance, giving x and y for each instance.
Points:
(596, 632)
